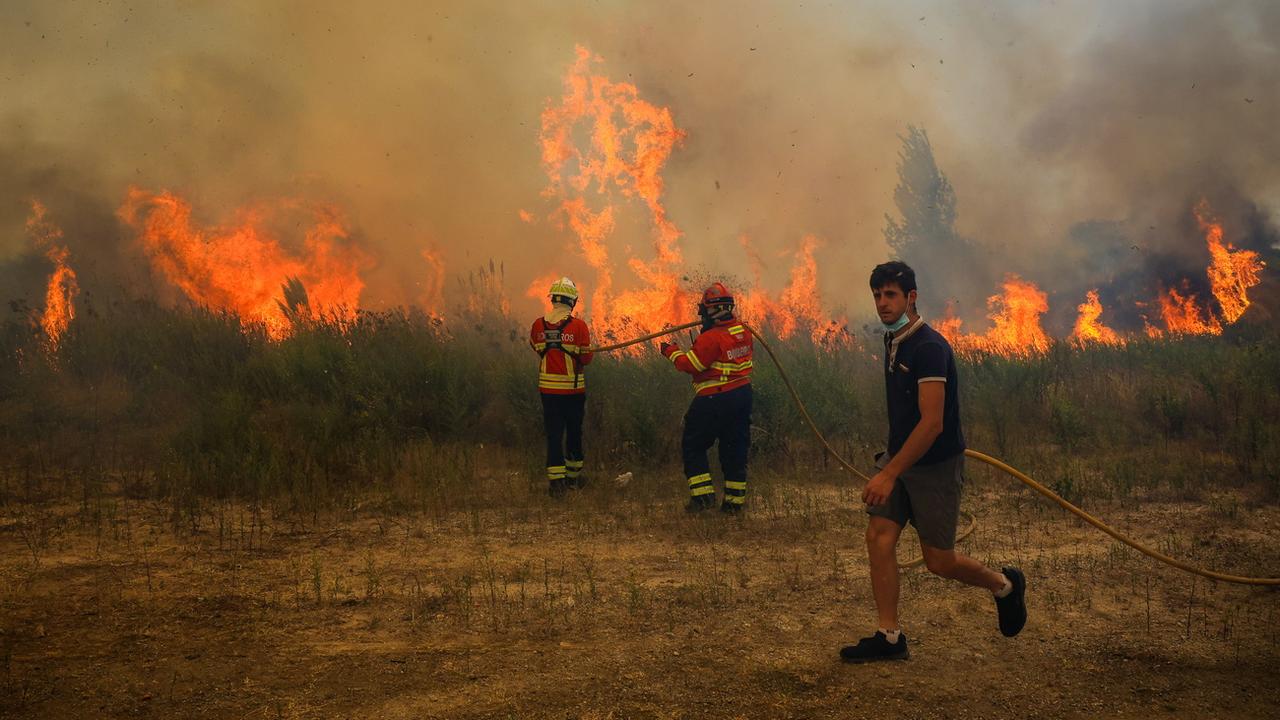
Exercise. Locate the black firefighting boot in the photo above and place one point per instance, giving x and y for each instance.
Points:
(702, 494)
(699, 503)
(557, 484)
(735, 495)
(557, 487)
(574, 475)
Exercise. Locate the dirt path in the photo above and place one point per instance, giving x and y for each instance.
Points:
(613, 607)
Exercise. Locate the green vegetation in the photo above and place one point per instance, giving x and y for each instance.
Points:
(188, 404)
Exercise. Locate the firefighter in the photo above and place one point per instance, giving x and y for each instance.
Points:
(562, 341)
(720, 363)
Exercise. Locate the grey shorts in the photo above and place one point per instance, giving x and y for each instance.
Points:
(929, 497)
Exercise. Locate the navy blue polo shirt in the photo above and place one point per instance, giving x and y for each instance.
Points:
(921, 355)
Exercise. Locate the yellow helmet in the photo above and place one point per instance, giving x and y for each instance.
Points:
(563, 290)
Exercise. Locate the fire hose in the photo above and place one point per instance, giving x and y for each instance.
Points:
(981, 457)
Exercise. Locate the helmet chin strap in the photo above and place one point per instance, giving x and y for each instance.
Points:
(711, 315)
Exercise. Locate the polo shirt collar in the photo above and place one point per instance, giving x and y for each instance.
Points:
(892, 342)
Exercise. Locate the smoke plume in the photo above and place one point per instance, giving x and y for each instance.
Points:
(1077, 137)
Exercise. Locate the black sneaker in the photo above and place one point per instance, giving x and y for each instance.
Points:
(729, 508)
(875, 648)
(1012, 608)
(557, 488)
(698, 503)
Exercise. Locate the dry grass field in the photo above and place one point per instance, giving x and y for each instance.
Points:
(613, 604)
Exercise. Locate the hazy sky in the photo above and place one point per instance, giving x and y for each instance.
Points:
(421, 120)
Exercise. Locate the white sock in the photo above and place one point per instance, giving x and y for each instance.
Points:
(1008, 587)
(892, 635)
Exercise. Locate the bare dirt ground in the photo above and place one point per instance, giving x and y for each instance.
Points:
(613, 604)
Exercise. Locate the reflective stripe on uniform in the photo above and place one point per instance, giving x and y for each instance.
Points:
(701, 485)
(561, 382)
(699, 387)
(735, 491)
(717, 382)
(555, 472)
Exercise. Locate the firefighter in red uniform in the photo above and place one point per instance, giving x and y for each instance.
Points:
(562, 342)
(720, 363)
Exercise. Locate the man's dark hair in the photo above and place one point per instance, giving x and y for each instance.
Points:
(894, 272)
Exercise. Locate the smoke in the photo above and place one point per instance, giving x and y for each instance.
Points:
(1070, 134)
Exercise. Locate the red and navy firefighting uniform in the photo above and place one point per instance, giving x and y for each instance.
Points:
(563, 347)
(720, 363)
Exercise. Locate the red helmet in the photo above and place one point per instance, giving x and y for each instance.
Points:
(717, 294)
(716, 304)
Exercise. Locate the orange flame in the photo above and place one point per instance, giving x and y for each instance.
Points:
(630, 141)
(949, 325)
(433, 293)
(242, 268)
(1231, 272)
(799, 305)
(62, 289)
(1089, 327)
(1183, 315)
(539, 289)
(1016, 317)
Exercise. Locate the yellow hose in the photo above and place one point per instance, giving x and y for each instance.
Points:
(1154, 554)
(650, 336)
(993, 462)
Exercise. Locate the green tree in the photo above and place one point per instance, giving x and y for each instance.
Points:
(947, 265)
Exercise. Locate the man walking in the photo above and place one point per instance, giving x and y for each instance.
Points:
(920, 477)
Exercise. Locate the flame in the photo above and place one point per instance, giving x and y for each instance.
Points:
(539, 289)
(1183, 315)
(1089, 328)
(592, 230)
(949, 325)
(62, 289)
(433, 294)
(630, 141)
(798, 305)
(1231, 272)
(242, 268)
(1016, 318)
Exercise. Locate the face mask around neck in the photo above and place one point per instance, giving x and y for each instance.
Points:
(901, 323)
